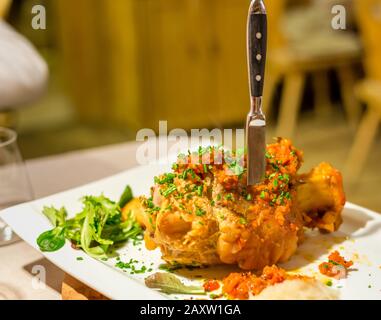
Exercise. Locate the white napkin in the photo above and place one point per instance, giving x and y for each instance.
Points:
(23, 73)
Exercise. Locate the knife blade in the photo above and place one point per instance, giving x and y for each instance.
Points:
(256, 120)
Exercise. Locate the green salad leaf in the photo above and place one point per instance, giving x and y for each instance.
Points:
(126, 197)
(52, 240)
(128, 229)
(95, 229)
(168, 283)
(56, 217)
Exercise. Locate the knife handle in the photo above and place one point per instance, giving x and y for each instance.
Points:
(257, 46)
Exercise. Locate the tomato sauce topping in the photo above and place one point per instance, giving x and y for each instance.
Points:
(211, 285)
(336, 267)
(241, 285)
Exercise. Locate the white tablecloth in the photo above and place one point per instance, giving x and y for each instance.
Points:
(48, 176)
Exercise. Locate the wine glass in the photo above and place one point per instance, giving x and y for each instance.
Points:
(15, 186)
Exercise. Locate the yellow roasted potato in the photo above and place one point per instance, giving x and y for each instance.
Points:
(134, 208)
(321, 197)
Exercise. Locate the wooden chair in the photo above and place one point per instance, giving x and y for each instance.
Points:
(293, 61)
(369, 90)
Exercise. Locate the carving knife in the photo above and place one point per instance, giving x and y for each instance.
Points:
(256, 120)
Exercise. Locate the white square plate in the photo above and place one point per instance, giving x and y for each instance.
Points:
(359, 239)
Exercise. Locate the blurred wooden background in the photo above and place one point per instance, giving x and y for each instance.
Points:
(132, 63)
(144, 61)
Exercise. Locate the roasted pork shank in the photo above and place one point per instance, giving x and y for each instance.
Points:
(203, 213)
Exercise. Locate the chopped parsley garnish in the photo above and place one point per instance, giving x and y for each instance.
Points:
(200, 212)
(283, 195)
(285, 177)
(268, 155)
(229, 196)
(334, 263)
(249, 197)
(201, 150)
(79, 258)
(125, 265)
(167, 178)
(199, 190)
(155, 209)
(275, 166)
(143, 269)
(150, 203)
(215, 296)
(273, 175)
(243, 221)
(179, 196)
(262, 195)
(184, 176)
(151, 206)
(131, 265)
(237, 169)
(172, 188)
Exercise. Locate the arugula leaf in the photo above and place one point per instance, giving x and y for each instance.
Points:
(99, 210)
(170, 284)
(105, 211)
(129, 229)
(73, 227)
